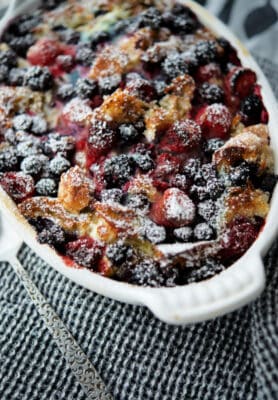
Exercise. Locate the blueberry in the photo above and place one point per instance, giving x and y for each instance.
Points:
(108, 84)
(203, 231)
(138, 202)
(209, 269)
(205, 51)
(65, 92)
(16, 76)
(22, 122)
(118, 170)
(84, 55)
(154, 233)
(58, 165)
(39, 125)
(183, 234)
(32, 165)
(111, 195)
(86, 88)
(46, 187)
(211, 93)
(144, 161)
(38, 78)
(128, 133)
(118, 253)
(8, 160)
(150, 18)
(22, 43)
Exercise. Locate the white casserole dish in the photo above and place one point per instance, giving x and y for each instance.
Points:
(236, 286)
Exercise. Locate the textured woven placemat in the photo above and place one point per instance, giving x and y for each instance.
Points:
(139, 358)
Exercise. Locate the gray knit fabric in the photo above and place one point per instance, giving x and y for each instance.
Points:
(139, 358)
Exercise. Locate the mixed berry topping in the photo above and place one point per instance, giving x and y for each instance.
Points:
(130, 129)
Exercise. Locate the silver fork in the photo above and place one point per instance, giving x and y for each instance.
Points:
(84, 371)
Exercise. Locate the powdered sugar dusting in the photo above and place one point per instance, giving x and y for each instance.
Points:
(179, 207)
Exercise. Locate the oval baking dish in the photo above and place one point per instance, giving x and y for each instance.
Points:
(237, 285)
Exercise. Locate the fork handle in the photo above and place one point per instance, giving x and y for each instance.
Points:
(75, 358)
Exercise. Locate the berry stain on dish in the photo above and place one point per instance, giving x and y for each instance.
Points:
(131, 129)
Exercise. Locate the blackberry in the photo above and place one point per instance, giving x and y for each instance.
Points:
(174, 65)
(65, 61)
(211, 93)
(98, 38)
(22, 122)
(128, 133)
(118, 253)
(22, 43)
(199, 193)
(39, 125)
(65, 92)
(24, 24)
(159, 87)
(101, 138)
(179, 181)
(151, 18)
(192, 168)
(154, 233)
(86, 88)
(53, 235)
(138, 202)
(56, 143)
(207, 210)
(8, 58)
(267, 182)
(212, 145)
(205, 51)
(67, 35)
(183, 234)
(203, 231)
(215, 188)
(144, 161)
(58, 165)
(4, 73)
(111, 195)
(10, 136)
(16, 76)
(109, 84)
(118, 170)
(141, 88)
(8, 160)
(46, 187)
(38, 78)
(179, 23)
(50, 4)
(147, 273)
(209, 269)
(28, 147)
(240, 174)
(32, 165)
(251, 108)
(84, 55)
(85, 252)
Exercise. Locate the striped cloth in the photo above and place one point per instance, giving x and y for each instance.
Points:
(140, 358)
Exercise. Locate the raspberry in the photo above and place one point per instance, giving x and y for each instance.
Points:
(44, 52)
(154, 233)
(141, 88)
(209, 269)
(85, 252)
(86, 88)
(166, 167)
(206, 72)
(22, 122)
(8, 160)
(111, 195)
(38, 78)
(101, 139)
(118, 170)
(150, 18)
(211, 93)
(173, 209)
(237, 238)
(109, 84)
(58, 165)
(118, 253)
(65, 92)
(32, 165)
(46, 187)
(181, 136)
(18, 185)
(84, 55)
(251, 108)
(203, 231)
(21, 44)
(183, 234)
(128, 133)
(215, 121)
(16, 76)
(240, 81)
(205, 51)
